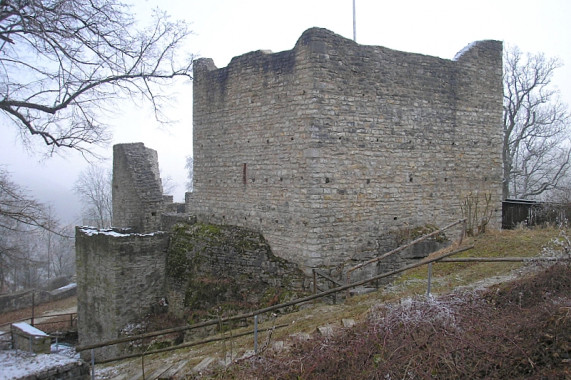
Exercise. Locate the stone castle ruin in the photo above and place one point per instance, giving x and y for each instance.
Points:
(316, 157)
(330, 146)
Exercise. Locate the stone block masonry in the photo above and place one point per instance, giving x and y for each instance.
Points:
(327, 152)
(29, 338)
(329, 147)
(120, 277)
(212, 268)
(137, 190)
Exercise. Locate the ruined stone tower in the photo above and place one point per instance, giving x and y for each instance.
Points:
(121, 272)
(330, 146)
(137, 190)
(329, 150)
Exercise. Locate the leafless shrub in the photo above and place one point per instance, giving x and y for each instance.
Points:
(520, 329)
(477, 209)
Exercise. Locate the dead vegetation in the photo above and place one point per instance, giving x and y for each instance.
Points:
(520, 329)
(486, 320)
(516, 328)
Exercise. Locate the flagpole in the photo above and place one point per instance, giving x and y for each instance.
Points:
(354, 24)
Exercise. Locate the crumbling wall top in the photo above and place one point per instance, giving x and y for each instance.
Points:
(137, 189)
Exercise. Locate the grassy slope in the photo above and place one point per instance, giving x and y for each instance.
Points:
(521, 329)
(304, 322)
(507, 243)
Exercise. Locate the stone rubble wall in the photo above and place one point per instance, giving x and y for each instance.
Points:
(78, 370)
(213, 266)
(332, 147)
(120, 277)
(23, 299)
(137, 191)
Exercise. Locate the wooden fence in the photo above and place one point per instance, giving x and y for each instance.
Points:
(516, 212)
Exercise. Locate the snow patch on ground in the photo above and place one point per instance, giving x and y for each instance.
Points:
(16, 364)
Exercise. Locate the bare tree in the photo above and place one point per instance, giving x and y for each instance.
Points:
(63, 257)
(48, 238)
(168, 183)
(63, 63)
(563, 192)
(94, 189)
(189, 166)
(536, 126)
(24, 223)
(17, 209)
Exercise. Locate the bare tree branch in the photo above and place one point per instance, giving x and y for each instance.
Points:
(94, 188)
(16, 209)
(536, 126)
(62, 61)
(28, 233)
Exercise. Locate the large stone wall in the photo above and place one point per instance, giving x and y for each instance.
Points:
(120, 277)
(330, 146)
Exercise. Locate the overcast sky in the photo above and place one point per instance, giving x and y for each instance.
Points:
(227, 28)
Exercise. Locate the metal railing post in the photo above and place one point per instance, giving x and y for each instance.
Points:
(255, 334)
(429, 280)
(92, 364)
(33, 306)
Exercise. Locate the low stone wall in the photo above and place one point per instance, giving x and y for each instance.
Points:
(23, 299)
(69, 290)
(28, 338)
(78, 370)
(120, 278)
(21, 365)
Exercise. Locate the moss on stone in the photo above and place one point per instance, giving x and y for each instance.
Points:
(181, 258)
(406, 235)
(219, 269)
(207, 291)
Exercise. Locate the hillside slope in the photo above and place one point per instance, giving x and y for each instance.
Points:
(519, 329)
(485, 320)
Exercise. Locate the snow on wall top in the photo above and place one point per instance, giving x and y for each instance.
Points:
(29, 329)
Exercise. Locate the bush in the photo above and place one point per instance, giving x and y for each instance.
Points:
(521, 329)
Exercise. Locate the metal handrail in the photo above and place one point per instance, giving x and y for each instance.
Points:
(403, 247)
(269, 308)
(40, 323)
(316, 273)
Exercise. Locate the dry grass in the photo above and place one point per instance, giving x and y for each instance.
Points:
(521, 329)
(303, 323)
(506, 243)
